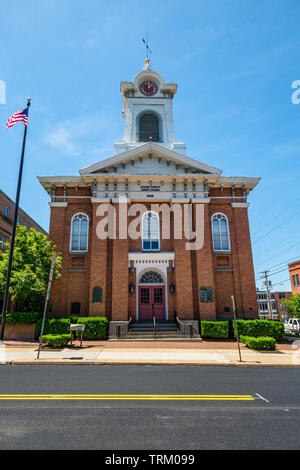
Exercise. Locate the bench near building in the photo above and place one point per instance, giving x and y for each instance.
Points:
(157, 273)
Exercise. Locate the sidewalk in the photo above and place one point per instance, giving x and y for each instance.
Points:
(151, 352)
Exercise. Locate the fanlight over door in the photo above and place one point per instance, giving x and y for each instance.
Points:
(151, 277)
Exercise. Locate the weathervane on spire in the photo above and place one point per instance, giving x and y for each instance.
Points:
(147, 47)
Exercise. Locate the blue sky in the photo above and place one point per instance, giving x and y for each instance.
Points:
(234, 61)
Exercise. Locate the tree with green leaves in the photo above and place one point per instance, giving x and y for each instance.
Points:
(293, 305)
(30, 270)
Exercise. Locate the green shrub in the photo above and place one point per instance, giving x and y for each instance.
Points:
(261, 343)
(56, 341)
(256, 328)
(214, 329)
(22, 318)
(95, 327)
(53, 326)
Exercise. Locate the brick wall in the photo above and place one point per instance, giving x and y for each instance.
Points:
(294, 270)
(106, 266)
(6, 221)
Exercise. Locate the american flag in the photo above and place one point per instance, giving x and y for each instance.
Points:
(18, 116)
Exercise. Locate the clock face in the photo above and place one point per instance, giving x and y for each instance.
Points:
(148, 88)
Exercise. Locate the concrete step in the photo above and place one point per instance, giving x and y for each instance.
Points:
(148, 326)
(151, 335)
(149, 338)
(147, 330)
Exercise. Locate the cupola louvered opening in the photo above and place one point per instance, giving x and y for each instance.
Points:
(149, 128)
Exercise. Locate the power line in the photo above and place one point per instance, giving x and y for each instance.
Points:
(273, 246)
(275, 228)
(277, 272)
(277, 254)
(283, 262)
(278, 215)
(281, 282)
(276, 198)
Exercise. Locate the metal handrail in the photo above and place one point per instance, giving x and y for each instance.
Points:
(185, 330)
(128, 322)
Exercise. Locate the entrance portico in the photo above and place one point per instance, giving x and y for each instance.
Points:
(151, 283)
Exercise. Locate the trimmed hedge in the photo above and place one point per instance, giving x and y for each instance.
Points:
(95, 327)
(214, 329)
(256, 328)
(261, 343)
(22, 318)
(53, 326)
(56, 341)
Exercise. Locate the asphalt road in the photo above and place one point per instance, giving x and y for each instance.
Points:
(269, 421)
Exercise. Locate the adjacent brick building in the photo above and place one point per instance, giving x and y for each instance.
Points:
(151, 272)
(294, 270)
(7, 208)
(278, 309)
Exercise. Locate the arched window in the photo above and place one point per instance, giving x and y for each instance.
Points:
(220, 233)
(79, 233)
(150, 226)
(151, 277)
(148, 127)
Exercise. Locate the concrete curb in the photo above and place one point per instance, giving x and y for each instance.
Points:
(85, 362)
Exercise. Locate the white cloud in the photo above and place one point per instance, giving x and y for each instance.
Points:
(74, 137)
(62, 139)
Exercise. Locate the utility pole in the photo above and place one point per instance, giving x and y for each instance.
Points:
(265, 273)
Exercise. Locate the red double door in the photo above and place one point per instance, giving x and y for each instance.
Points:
(151, 302)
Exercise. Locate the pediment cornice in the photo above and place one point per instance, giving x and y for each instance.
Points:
(154, 150)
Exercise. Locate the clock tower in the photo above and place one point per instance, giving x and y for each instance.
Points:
(147, 111)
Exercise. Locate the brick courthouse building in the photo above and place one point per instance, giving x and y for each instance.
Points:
(121, 276)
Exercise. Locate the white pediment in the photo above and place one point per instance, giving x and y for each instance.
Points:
(150, 159)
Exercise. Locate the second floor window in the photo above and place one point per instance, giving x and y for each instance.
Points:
(79, 233)
(150, 232)
(220, 233)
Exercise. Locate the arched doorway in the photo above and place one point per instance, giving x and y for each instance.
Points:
(151, 296)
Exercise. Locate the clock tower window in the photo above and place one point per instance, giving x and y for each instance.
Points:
(149, 128)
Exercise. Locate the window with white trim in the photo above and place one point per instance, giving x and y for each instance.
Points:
(220, 232)
(79, 233)
(150, 235)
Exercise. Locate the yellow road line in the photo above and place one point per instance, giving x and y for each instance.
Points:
(121, 397)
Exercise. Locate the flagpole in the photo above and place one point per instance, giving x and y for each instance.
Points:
(13, 236)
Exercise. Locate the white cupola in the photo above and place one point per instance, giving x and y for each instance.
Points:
(147, 110)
